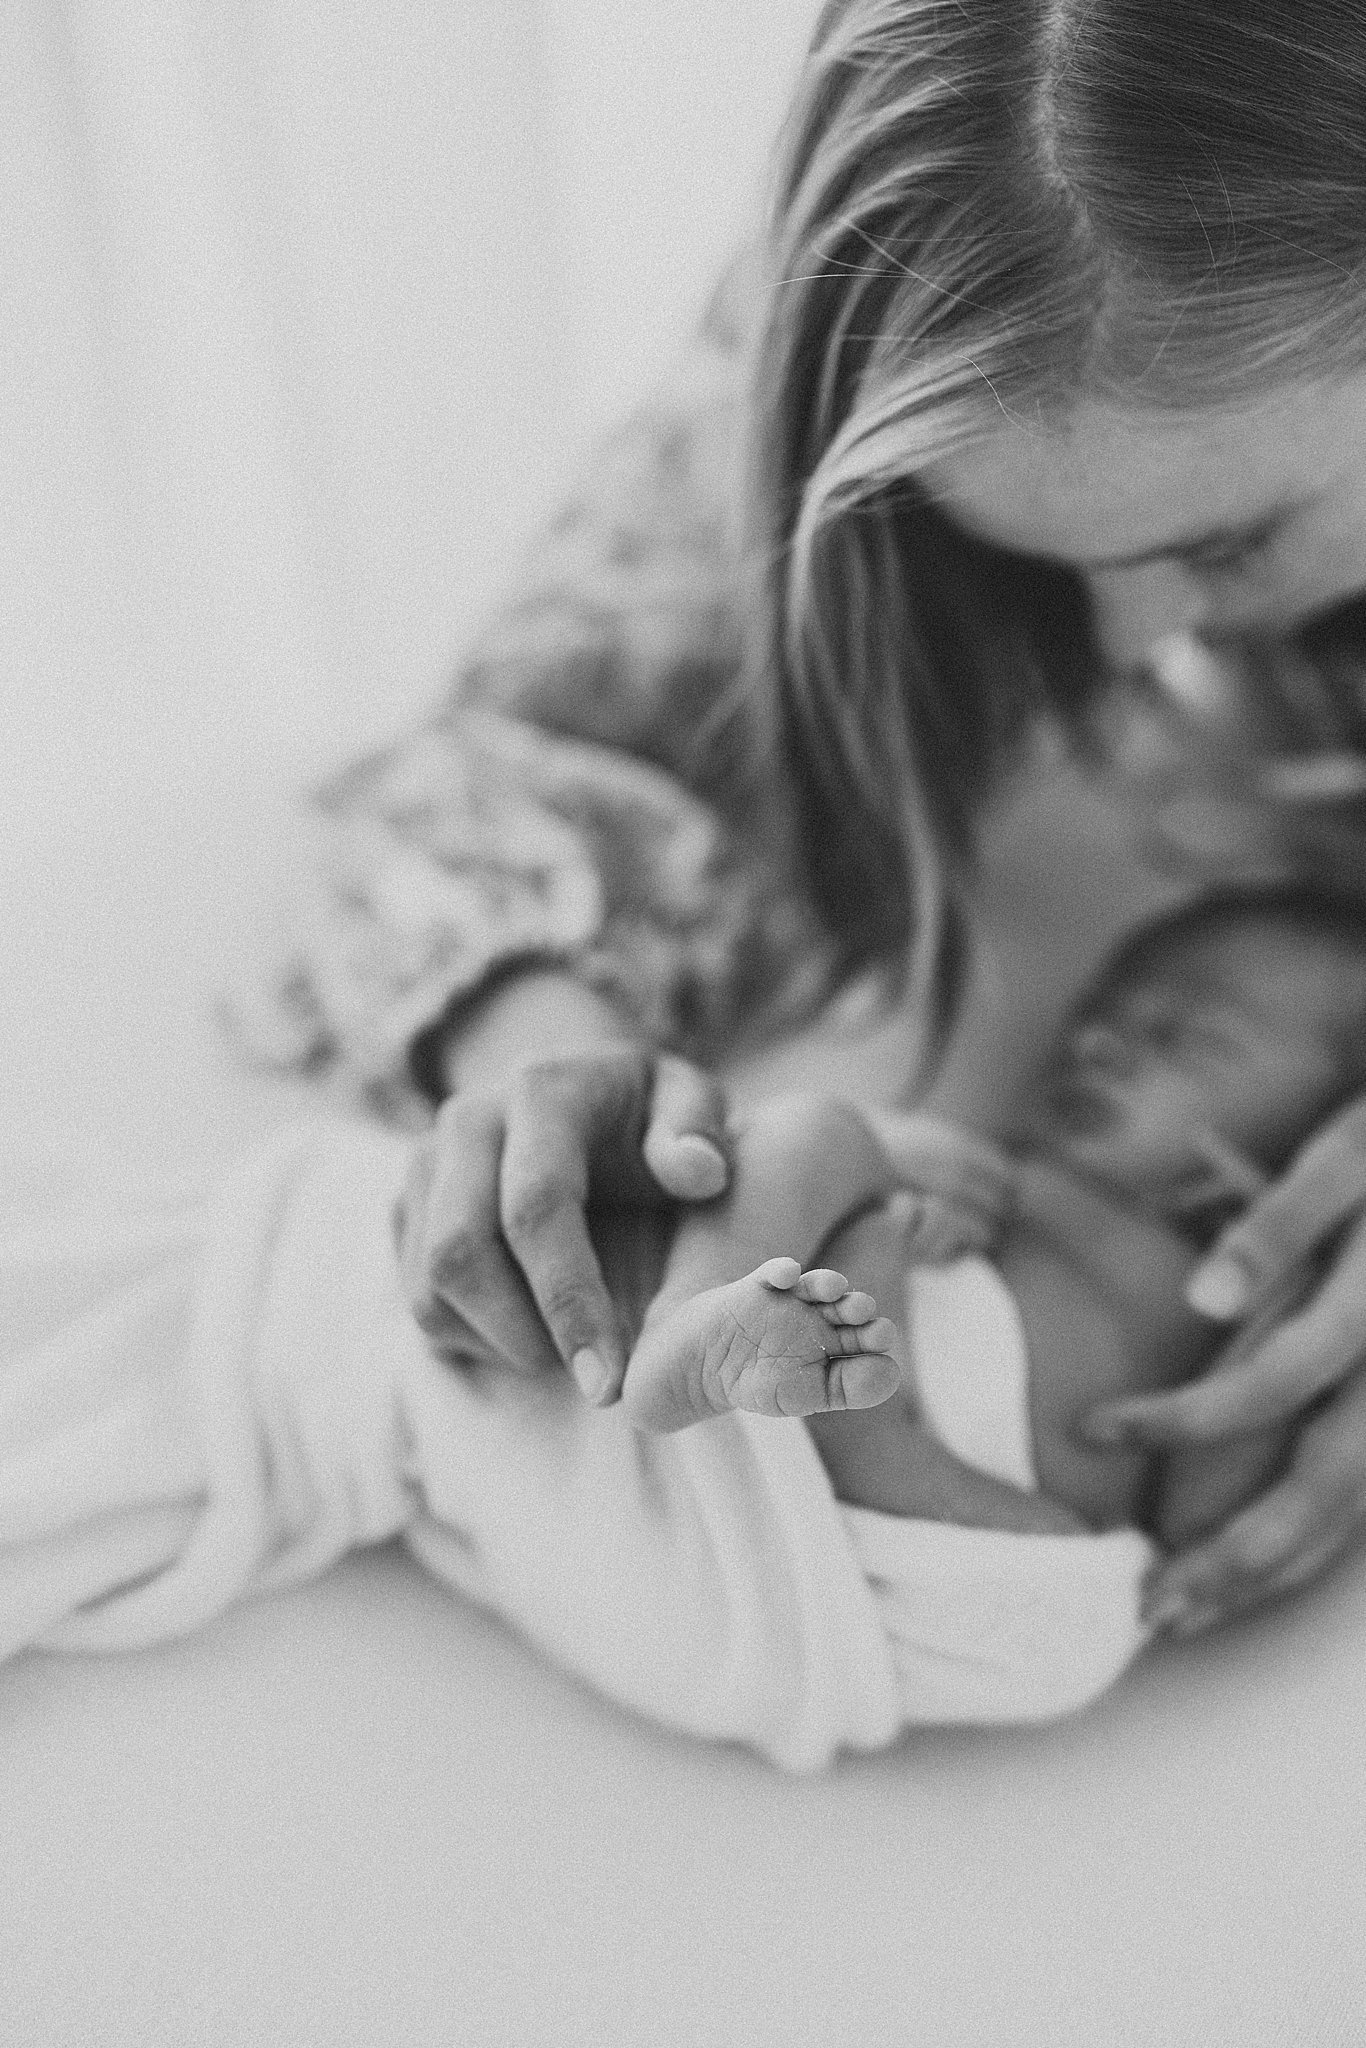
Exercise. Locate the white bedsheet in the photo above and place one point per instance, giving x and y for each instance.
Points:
(362, 1814)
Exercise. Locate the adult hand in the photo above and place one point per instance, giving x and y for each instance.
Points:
(1314, 1218)
(491, 1231)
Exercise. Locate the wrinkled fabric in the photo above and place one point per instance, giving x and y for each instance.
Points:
(213, 1405)
(225, 1397)
(986, 1625)
(587, 794)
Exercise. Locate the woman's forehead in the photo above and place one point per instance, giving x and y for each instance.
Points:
(1109, 487)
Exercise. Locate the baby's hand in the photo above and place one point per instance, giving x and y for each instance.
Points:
(778, 1342)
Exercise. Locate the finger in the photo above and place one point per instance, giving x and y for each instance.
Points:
(442, 1325)
(542, 1195)
(411, 1204)
(1286, 1538)
(462, 1286)
(686, 1145)
(1271, 1547)
(1325, 1185)
(1295, 1363)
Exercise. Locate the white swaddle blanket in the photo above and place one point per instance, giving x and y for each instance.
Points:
(217, 1402)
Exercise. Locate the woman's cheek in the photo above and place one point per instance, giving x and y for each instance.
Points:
(1134, 610)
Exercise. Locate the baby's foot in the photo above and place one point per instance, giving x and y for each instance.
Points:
(779, 1342)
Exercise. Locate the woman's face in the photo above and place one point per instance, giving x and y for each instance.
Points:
(1227, 524)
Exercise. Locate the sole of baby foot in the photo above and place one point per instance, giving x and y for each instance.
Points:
(780, 1342)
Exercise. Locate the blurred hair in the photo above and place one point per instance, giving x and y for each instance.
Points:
(996, 208)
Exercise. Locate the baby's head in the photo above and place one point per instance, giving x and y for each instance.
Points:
(1208, 1049)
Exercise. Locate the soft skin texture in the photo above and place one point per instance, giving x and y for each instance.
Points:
(555, 1102)
(1223, 524)
(1191, 1067)
(1234, 525)
(648, 656)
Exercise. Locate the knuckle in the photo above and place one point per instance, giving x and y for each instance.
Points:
(534, 1209)
(564, 1077)
(460, 1260)
(432, 1317)
(567, 1310)
(549, 1077)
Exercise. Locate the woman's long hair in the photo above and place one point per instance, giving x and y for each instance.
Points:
(987, 209)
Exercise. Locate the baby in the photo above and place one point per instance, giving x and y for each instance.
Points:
(223, 1398)
(1211, 1046)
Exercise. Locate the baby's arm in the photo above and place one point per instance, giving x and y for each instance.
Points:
(736, 1323)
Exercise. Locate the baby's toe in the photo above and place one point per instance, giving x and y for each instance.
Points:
(780, 1273)
(880, 1335)
(864, 1381)
(822, 1285)
(850, 1310)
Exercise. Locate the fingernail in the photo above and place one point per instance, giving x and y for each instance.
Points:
(592, 1374)
(1220, 1289)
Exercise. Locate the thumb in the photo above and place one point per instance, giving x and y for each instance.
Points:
(687, 1146)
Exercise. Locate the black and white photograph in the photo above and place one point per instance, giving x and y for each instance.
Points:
(683, 1062)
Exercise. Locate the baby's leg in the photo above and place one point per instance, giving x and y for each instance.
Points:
(778, 1342)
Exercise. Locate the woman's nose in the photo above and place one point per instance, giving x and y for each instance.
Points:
(1133, 609)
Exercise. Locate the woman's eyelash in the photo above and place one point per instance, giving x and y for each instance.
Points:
(1226, 558)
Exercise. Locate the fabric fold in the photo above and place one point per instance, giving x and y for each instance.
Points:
(240, 1398)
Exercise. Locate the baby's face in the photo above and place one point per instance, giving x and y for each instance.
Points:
(1219, 1049)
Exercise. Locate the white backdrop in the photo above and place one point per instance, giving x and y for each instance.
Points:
(305, 306)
